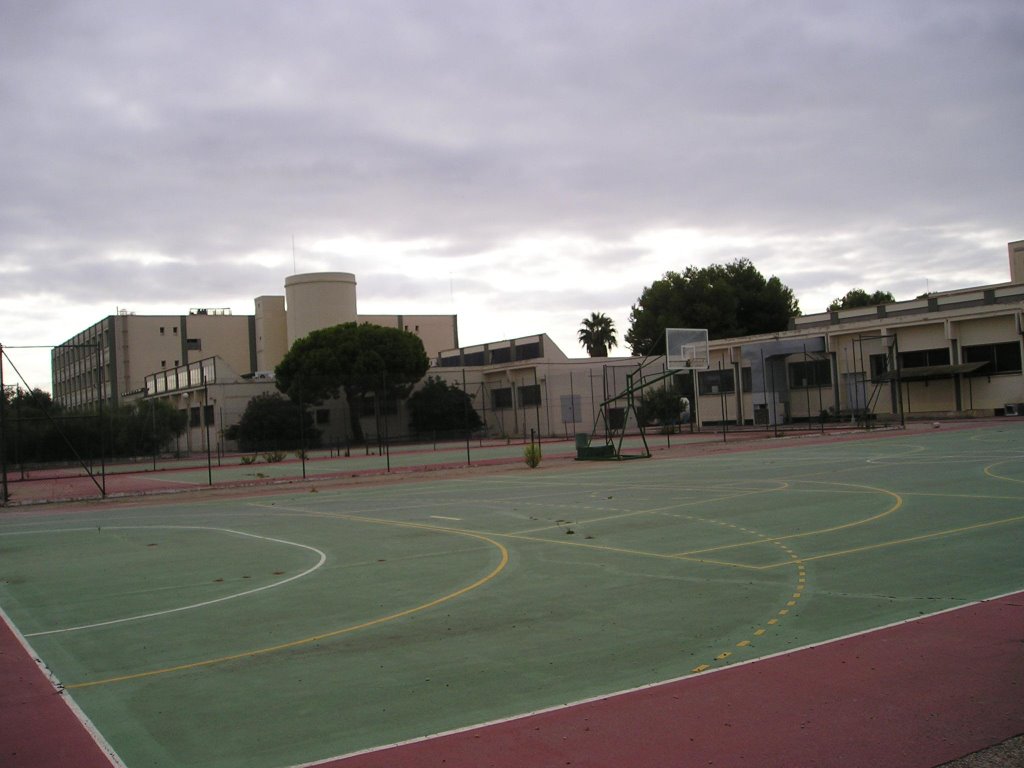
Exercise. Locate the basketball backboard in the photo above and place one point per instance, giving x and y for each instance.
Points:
(686, 349)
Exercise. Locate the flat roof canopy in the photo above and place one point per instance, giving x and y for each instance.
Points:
(925, 372)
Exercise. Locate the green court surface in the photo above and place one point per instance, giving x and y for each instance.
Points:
(279, 629)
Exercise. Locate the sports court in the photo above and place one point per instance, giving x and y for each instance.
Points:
(288, 627)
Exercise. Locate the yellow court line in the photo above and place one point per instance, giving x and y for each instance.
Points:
(324, 635)
(775, 539)
(538, 539)
(619, 550)
(894, 542)
(994, 476)
(657, 510)
(987, 496)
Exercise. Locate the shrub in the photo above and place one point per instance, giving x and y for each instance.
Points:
(532, 455)
(249, 459)
(274, 456)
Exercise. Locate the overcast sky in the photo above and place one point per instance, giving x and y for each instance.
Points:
(520, 164)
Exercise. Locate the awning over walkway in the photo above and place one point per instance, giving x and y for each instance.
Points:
(926, 372)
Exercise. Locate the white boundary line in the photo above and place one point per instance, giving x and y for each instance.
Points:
(320, 562)
(647, 686)
(93, 731)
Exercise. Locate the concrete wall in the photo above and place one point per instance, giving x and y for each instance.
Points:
(271, 332)
(437, 332)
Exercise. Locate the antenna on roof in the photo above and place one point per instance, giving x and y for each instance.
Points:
(294, 270)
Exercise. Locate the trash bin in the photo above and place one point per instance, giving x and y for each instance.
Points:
(582, 441)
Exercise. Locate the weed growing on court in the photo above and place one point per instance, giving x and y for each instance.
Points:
(532, 455)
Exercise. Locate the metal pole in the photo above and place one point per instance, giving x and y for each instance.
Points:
(807, 389)
(103, 461)
(4, 496)
(152, 415)
(383, 410)
(465, 414)
(821, 411)
(302, 435)
(764, 389)
(725, 405)
(19, 452)
(572, 406)
(536, 386)
(206, 423)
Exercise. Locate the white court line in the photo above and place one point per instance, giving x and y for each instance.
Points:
(92, 730)
(645, 687)
(320, 562)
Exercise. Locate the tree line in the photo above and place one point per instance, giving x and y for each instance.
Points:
(38, 430)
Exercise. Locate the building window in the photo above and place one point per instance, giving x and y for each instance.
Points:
(174, 329)
(879, 365)
(716, 382)
(193, 416)
(998, 358)
(810, 374)
(529, 394)
(161, 330)
(501, 355)
(473, 358)
(747, 379)
(920, 358)
(208, 414)
(501, 398)
(528, 351)
(194, 344)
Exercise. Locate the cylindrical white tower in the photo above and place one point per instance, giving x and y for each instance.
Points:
(319, 300)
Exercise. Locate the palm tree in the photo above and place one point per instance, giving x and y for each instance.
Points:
(597, 334)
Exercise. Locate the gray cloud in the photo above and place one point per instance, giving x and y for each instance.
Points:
(872, 145)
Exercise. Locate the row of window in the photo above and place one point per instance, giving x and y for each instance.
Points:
(528, 394)
(499, 356)
(812, 374)
(1001, 357)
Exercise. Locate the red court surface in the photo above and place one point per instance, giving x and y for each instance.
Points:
(919, 693)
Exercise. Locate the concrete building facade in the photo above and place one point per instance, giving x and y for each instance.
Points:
(954, 352)
(128, 356)
(951, 353)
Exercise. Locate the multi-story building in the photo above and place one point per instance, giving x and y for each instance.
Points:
(112, 358)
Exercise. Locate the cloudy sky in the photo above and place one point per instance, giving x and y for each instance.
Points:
(521, 164)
